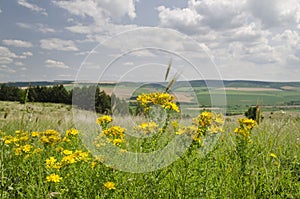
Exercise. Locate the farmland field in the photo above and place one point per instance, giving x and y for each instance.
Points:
(266, 166)
(271, 96)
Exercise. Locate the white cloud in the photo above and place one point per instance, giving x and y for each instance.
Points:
(58, 44)
(200, 16)
(293, 60)
(181, 19)
(32, 7)
(28, 54)
(220, 14)
(44, 29)
(275, 12)
(6, 69)
(55, 64)
(24, 55)
(6, 56)
(19, 63)
(36, 27)
(17, 43)
(81, 29)
(100, 10)
(288, 38)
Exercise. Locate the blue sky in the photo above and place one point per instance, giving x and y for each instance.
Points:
(134, 40)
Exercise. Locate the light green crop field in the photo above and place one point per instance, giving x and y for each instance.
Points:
(41, 159)
(238, 99)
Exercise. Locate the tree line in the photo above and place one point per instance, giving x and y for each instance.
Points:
(86, 97)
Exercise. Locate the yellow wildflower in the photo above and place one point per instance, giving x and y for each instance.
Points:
(18, 151)
(65, 139)
(118, 141)
(45, 139)
(70, 159)
(147, 127)
(114, 131)
(94, 164)
(53, 178)
(72, 132)
(35, 134)
(26, 148)
(273, 155)
(104, 120)
(246, 125)
(109, 185)
(67, 152)
(165, 100)
(24, 138)
(50, 163)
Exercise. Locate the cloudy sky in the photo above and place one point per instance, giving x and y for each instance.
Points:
(115, 40)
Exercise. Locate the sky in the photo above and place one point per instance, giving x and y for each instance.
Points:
(135, 40)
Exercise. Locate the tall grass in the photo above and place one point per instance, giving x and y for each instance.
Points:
(272, 169)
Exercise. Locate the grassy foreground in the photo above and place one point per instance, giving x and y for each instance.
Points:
(267, 166)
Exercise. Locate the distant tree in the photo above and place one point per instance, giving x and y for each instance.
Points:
(9, 93)
(88, 98)
(254, 112)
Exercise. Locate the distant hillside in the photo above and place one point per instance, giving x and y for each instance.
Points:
(38, 83)
(194, 83)
(244, 83)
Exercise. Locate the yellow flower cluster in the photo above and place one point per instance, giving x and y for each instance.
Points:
(209, 122)
(23, 149)
(165, 100)
(19, 138)
(110, 185)
(114, 134)
(53, 178)
(104, 120)
(71, 132)
(246, 125)
(50, 137)
(69, 158)
(147, 127)
(206, 122)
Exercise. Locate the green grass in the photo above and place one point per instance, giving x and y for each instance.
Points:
(215, 175)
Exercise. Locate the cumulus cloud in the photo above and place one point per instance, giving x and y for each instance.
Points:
(55, 64)
(100, 10)
(36, 27)
(24, 55)
(217, 15)
(32, 7)
(58, 44)
(275, 12)
(81, 29)
(220, 14)
(230, 14)
(6, 56)
(181, 19)
(17, 43)
(288, 38)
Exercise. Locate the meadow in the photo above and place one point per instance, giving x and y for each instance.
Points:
(44, 156)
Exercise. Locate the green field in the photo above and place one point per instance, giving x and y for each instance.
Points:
(239, 95)
(266, 167)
